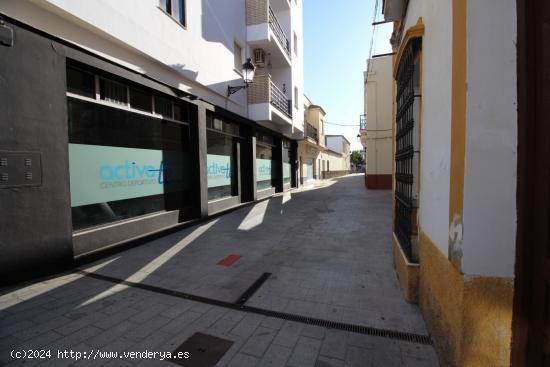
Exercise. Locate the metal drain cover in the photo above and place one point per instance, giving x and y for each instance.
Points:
(205, 350)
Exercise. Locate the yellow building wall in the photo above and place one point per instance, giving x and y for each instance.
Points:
(469, 318)
(468, 313)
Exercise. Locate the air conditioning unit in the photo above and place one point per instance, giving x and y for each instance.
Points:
(259, 57)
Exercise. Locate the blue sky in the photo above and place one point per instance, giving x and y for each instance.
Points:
(336, 46)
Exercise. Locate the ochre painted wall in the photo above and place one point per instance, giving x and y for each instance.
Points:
(470, 318)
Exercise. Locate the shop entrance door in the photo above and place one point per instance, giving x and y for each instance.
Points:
(309, 169)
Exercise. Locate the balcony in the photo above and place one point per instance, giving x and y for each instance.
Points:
(267, 102)
(268, 26)
(279, 100)
(278, 31)
(311, 132)
(363, 122)
(363, 129)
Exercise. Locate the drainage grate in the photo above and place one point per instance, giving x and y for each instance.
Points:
(204, 350)
(360, 329)
(252, 289)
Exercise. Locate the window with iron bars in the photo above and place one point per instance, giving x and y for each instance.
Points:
(405, 140)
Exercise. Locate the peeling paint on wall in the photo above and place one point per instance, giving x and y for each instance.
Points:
(456, 232)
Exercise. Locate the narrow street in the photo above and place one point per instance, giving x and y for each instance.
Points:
(328, 254)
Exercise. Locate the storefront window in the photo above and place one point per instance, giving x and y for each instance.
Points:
(286, 162)
(221, 140)
(264, 166)
(124, 164)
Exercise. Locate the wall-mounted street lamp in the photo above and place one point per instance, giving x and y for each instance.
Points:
(248, 76)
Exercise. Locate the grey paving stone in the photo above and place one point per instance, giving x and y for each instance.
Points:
(323, 361)
(248, 324)
(154, 363)
(13, 329)
(417, 350)
(177, 309)
(409, 361)
(118, 363)
(77, 337)
(272, 323)
(120, 305)
(39, 341)
(386, 355)
(108, 336)
(148, 313)
(313, 331)
(258, 343)
(121, 345)
(9, 342)
(210, 317)
(74, 325)
(365, 341)
(289, 334)
(181, 322)
(200, 307)
(305, 353)
(418, 355)
(335, 344)
(144, 329)
(224, 325)
(238, 342)
(243, 360)
(275, 356)
(33, 332)
(359, 357)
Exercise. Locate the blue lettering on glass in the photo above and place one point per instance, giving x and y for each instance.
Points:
(218, 169)
(128, 171)
(264, 170)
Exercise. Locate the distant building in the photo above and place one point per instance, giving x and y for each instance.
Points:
(337, 155)
(376, 123)
(316, 159)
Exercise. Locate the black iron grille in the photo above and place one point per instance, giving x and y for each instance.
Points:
(404, 147)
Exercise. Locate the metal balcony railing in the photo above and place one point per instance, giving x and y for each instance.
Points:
(279, 100)
(311, 132)
(278, 31)
(363, 122)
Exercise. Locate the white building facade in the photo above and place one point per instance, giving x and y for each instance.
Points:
(138, 117)
(464, 77)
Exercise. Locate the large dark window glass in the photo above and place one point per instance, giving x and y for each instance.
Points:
(141, 100)
(264, 166)
(286, 162)
(163, 106)
(124, 164)
(221, 138)
(113, 92)
(80, 82)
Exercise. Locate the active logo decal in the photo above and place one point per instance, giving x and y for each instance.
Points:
(101, 174)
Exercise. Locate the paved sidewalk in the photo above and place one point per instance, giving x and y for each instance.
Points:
(328, 250)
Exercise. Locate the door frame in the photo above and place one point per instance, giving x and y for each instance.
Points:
(526, 349)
